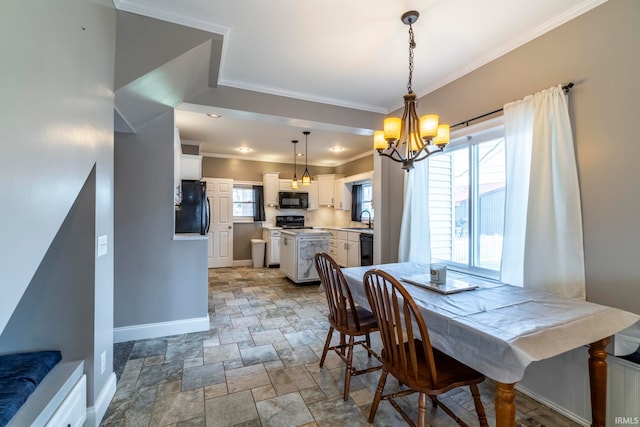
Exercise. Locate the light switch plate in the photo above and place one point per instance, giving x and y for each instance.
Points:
(102, 245)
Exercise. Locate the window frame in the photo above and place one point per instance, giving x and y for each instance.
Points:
(237, 219)
(468, 138)
(369, 184)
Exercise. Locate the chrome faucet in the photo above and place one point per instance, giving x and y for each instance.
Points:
(369, 213)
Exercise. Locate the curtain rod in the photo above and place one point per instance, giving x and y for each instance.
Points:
(566, 88)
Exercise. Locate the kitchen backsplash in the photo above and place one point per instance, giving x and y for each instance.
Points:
(319, 217)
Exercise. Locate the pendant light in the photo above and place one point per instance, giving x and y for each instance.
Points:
(306, 177)
(294, 181)
(408, 139)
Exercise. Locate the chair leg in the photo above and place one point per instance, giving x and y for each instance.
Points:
(342, 343)
(422, 410)
(348, 369)
(368, 340)
(434, 400)
(378, 395)
(326, 346)
(478, 404)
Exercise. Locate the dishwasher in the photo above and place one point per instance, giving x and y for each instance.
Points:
(366, 249)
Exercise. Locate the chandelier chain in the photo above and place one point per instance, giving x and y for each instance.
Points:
(412, 45)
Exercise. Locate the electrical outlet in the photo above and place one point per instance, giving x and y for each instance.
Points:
(103, 362)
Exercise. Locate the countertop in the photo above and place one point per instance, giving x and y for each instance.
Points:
(364, 230)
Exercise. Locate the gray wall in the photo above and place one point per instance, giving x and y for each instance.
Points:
(53, 313)
(242, 235)
(157, 279)
(355, 167)
(598, 51)
(55, 128)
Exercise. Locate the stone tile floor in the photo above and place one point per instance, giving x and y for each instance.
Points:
(257, 365)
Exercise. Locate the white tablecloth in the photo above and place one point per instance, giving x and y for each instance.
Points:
(499, 329)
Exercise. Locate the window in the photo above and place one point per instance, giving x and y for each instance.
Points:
(367, 197)
(466, 202)
(242, 203)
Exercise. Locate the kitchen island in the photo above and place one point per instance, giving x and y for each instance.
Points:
(298, 248)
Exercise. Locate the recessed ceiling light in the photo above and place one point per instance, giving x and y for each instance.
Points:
(244, 149)
(336, 149)
(214, 116)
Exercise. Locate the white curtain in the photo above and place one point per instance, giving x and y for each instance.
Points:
(543, 245)
(414, 232)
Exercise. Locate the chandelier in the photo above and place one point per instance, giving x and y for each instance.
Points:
(306, 176)
(408, 139)
(294, 181)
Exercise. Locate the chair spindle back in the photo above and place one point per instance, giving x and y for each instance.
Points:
(399, 320)
(337, 291)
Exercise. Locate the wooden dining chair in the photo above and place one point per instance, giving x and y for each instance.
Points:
(345, 317)
(408, 356)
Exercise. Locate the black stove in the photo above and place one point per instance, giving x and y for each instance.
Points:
(290, 221)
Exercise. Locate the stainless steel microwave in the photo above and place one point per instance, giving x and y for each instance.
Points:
(291, 200)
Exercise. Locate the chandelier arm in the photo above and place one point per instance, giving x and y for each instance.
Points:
(424, 152)
(394, 155)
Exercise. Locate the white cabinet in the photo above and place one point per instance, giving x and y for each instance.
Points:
(72, 411)
(313, 195)
(326, 190)
(271, 182)
(272, 237)
(285, 185)
(288, 251)
(333, 244)
(353, 250)
(342, 195)
(191, 167)
(342, 248)
(347, 248)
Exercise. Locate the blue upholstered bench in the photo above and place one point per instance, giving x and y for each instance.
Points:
(20, 374)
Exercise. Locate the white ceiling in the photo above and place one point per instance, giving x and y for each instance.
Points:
(348, 53)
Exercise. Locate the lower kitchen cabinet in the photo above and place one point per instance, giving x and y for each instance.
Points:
(272, 237)
(348, 249)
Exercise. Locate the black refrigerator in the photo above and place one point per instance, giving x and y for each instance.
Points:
(193, 214)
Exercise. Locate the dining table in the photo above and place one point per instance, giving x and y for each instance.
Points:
(499, 329)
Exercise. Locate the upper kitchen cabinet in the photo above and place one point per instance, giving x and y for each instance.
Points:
(285, 185)
(312, 189)
(326, 190)
(342, 195)
(191, 167)
(271, 182)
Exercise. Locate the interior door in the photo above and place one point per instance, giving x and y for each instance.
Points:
(220, 194)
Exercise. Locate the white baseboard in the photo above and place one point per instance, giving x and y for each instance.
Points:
(242, 263)
(160, 329)
(559, 409)
(96, 412)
